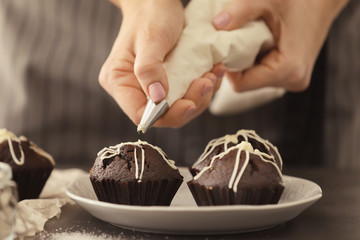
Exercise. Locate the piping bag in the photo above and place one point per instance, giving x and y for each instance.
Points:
(200, 47)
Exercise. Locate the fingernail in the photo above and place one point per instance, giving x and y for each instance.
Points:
(189, 111)
(206, 90)
(212, 78)
(157, 92)
(222, 20)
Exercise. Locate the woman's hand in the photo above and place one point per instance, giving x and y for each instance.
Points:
(300, 28)
(134, 69)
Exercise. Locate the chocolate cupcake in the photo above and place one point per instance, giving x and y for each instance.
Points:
(135, 173)
(31, 165)
(237, 169)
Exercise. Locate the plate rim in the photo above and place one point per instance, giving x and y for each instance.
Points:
(198, 209)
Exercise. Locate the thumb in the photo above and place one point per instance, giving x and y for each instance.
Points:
(149, 70)
(239, 12)
(262, 75)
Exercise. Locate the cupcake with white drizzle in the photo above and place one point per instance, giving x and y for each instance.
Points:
(242, 168)
(31, 165)
(135, 173)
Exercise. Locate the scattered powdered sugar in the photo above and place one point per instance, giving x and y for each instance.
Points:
(96, 234)
(77, 232)
(81, 236)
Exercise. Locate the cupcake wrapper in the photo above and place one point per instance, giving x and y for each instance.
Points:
(31, 183)
(145, 193)
(193, 171)
(208, 196)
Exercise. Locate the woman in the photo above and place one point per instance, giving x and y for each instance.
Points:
(53, 51)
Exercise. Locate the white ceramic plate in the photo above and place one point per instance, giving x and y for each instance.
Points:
(184, 217)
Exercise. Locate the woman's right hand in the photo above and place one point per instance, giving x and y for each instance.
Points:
(134, 69)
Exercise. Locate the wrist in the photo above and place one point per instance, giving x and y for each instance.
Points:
(330, 8)
(323, 13)
(127, 4)
(116, 3)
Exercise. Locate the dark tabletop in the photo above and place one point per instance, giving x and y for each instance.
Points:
(335, 216)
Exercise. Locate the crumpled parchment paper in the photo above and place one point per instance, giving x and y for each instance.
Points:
(32, 214)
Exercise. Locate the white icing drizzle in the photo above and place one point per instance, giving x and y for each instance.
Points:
(5, 135)
(13, 155)
(142, 163)
(242, 170)
(225, 140)
(136, 165)
(237, 162)
(112, 151)
(216, 142)
(243, 146)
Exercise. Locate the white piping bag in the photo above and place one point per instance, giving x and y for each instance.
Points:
(200, 47)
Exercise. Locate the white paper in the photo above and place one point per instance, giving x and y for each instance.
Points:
(32, 214)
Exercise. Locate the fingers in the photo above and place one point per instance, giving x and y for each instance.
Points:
(131, 99)
(239, 12)
(191, 105)
(117, 78)
(275, 70)
(195, 101)
(148, 66)
(255, 77)
(155, 37)
(299, 29)
(133, 71)
(219, 71)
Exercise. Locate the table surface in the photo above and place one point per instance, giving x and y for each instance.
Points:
(335, 216)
